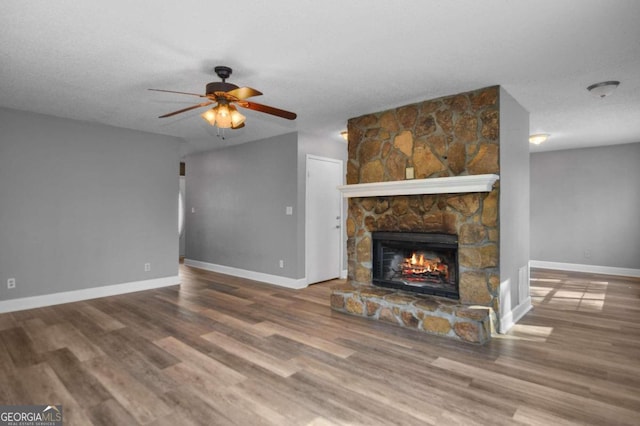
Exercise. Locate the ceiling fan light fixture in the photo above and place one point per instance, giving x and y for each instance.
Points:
(345, 135)
(223, 117)
(538, 138)
(603, 89)
(236, 118)
(209, 116)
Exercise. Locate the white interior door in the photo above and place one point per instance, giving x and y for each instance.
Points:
(323, 219)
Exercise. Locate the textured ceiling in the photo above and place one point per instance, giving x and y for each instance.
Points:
(327, 61)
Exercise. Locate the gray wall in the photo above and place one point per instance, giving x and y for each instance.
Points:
(84, 205)
(514, 199)
(239, 195)
(585, 206)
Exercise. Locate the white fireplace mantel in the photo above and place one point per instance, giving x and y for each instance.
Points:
(444, 185)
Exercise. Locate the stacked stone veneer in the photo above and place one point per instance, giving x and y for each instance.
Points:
(449, 136)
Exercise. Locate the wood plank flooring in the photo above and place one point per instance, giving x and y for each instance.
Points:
(224, 350)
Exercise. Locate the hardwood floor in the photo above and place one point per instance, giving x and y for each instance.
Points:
(223, 350)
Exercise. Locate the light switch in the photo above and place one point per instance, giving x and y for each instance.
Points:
(289, 210)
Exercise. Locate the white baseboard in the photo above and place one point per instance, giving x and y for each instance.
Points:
(592, 269)
(251, 275)
(32, 302)
(510, 318)
(343, 274)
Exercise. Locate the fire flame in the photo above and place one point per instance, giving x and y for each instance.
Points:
(417, 264)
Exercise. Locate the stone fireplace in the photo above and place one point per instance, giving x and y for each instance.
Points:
(445, 140)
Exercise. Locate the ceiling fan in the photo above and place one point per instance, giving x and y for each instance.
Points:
(226, 95)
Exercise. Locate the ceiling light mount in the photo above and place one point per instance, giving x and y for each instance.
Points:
(223, 72)
(604, 88)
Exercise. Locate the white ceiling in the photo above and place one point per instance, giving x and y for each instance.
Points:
(326, 60)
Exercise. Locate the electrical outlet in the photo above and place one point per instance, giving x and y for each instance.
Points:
(587, 254)
(281, 263)
(11, 283)
(147, 267)
(408, 173)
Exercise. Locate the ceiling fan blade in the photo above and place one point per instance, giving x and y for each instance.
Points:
(269, 110)
(181, 93)
(186, 109)
(244, 93)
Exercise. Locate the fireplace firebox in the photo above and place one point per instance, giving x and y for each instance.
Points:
(417, 262)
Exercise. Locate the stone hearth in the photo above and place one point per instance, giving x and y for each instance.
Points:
(434, 315)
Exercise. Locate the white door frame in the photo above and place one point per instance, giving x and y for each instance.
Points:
(306, 215)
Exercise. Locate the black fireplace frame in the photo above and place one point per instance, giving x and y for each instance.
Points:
(432, 240)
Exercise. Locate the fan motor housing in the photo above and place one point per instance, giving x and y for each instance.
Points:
(219, 86)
